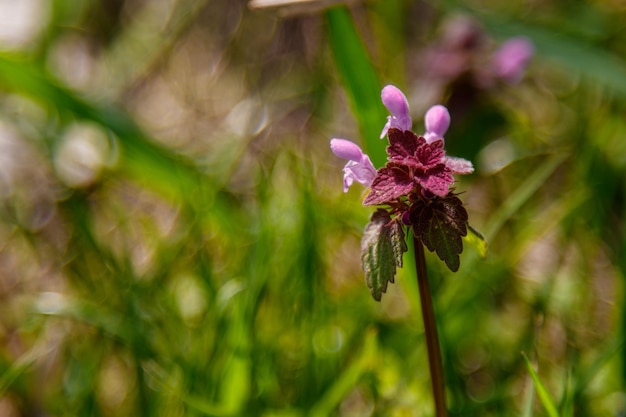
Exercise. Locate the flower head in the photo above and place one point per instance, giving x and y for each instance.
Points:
(414, 188)
(395, 101)
(465, 62)
(511, 59)
(416, 167)
(359, 167)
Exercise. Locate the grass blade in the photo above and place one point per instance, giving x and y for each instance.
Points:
(360, 80)
(512, 204)
(542, 392)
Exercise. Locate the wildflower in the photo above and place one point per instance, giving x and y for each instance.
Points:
(359, 167)
(398, 106)
(511, 59)
(414, 188)
(417, 163)
(464, 63)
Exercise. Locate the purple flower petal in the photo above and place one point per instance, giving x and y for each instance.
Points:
(359, 167)
(512, 58)
(437, 121)
(395, 101)
(346, 149)
(361, 172)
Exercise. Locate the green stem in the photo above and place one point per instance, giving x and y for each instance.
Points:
(430, 331)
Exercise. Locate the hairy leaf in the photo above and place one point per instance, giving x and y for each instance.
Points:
(405, 147)
(430, 154)
(382, 247)
(437, 180)
(402, 144)
(412, 160)
(441, 223)
(390, 183)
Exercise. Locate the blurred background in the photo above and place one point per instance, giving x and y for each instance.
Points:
(174, 239)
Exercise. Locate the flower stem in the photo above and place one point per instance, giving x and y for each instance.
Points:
(430, 331)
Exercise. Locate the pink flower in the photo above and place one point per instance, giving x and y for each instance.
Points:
(359, 167)
(511, 59)
(417, 165)
(398, 106)
(437, 121)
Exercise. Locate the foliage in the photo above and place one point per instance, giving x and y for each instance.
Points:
(174, 239)
(441, 224)
(382, 247)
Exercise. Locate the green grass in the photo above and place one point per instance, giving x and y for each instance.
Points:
(211, 266)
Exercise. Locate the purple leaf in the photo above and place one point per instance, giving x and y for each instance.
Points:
(403, 144)
(390, 183)
(431, 154)
(440, 223)
(436, 180)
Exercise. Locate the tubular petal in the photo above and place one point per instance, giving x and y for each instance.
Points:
(395, 101)
(437, 120)
(346, 149)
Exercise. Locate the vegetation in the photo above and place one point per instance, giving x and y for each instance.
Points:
(175, 240)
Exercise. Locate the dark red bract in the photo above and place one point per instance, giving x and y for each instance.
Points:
(414, 166)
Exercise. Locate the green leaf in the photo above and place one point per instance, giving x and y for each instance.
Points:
(382, 247)
(20, 366)
(477, 240)
(543, 394)
(360, 79)
(522, 194)
(441, 223)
